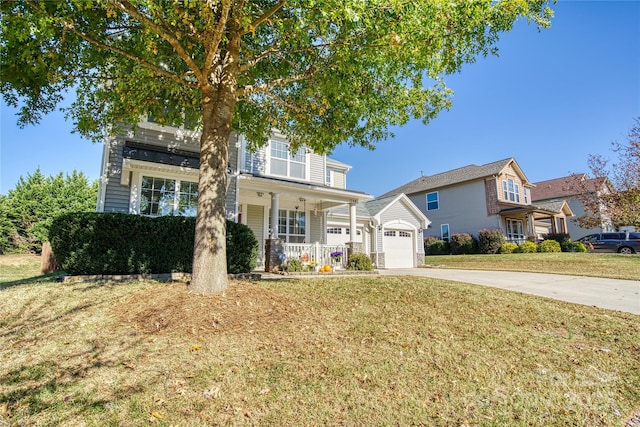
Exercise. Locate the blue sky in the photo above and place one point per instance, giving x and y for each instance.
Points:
(549, 100)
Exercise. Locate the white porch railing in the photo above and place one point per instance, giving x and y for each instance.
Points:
(321, 254)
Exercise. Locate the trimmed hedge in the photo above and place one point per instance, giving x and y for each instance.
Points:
(508, 248)
(563, 238)
(462, 243)
(527, 248)
(435, 246)
(118, 243)
(359, 261)
(577, 247)
(549, 246)
(490, 241)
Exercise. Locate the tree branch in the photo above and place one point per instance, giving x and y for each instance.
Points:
(218, 32)
(264, 88)
(70, 26)
(265, 16)
(127, 7)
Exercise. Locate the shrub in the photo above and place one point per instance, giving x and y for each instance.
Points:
(242, 248)
(527, 248)
(435, 246)
(549, 246)
(577, 247)
(490, 241)
(359, 261)
(117, 243)
(294, 265)
(563, 238)
(462, 243)
(508, 248)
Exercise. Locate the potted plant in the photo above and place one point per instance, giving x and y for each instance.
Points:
(337, 258)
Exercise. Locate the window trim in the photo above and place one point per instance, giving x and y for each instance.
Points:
(510, 190)
(289, 160)
(137, 190)
(442, 234)
(436, 201)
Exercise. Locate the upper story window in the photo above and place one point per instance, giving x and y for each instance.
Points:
(329, 177)
(284, 163)
(510, 190)
(433, 201)
(525, 191)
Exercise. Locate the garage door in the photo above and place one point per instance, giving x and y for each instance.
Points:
(398, 249)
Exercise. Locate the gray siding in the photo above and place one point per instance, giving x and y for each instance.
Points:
(255, 222)
(317, 230)
(339, 179)
(317, 173)
(116, 195)
(463, 207)
(399, 211)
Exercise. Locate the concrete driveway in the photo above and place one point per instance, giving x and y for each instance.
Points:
(613, 294)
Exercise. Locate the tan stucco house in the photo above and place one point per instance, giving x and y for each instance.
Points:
(491, 196)
(289, 200)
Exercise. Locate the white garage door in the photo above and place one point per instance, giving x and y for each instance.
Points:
(398, 249)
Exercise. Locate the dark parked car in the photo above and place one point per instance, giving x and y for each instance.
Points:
(613, 242)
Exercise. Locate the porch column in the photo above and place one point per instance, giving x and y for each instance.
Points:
(352, 220)
(275, 206)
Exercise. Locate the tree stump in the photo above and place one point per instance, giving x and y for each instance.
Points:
(48, 263)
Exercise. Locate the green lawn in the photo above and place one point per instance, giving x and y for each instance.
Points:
(371, 350)
(614, 266)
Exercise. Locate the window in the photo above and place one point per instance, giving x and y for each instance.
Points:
(514, 230)
(525, 190)
(404, 234)
(444, 232)
(510, 191)
(432, 201)
(164, 196)
(292, 226)
(248, 160)
(284, 163)
(348, 231)
(329, 177)
(334, 230)
(390, 233)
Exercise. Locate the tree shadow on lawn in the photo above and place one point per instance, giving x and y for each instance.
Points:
(45, 278)
(53, 366)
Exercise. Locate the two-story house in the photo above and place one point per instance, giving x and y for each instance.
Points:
(492, 196)
(568, 188)
(286, 198)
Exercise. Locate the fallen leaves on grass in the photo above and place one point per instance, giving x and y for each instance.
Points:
(244, 308)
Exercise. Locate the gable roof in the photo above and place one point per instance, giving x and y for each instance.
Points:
(456, 176)
(565, 186)
(373, 208)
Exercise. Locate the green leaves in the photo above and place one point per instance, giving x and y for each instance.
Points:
(27, 211)
(322, 72)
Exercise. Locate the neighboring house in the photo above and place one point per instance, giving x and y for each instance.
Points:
(490, 196)
(568, 188)
(154, 171)
(390, 228)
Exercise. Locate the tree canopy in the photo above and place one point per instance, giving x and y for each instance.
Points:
(26, 212)
(620, 199)
(322, 72)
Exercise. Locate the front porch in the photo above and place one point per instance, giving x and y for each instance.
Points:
(532, 222)
(310, 255)
(290, 219)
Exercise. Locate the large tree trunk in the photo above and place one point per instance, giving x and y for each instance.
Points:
(210, 250)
